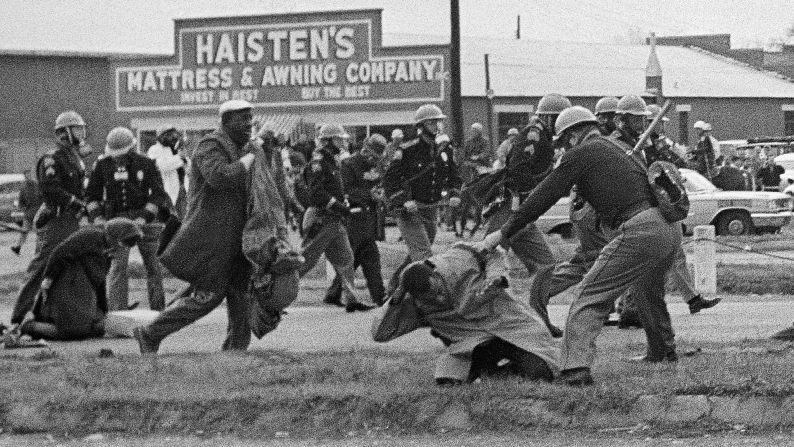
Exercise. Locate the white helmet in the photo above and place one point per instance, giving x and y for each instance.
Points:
(428, 112)
(700, 125)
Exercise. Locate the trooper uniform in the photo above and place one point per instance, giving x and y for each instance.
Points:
(529, 161)
(60, 173)
(127, 184)
(419, 172)
(638, 256)
(323, 223)
(605, 110)
(360, 178)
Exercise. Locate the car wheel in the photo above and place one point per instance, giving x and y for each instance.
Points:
(734, 223)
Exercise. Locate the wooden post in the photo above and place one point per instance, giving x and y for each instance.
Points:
(705, 260)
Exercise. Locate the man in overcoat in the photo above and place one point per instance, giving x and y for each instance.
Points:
(207, 250)
(462, 296)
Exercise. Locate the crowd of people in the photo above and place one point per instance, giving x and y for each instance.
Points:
(220, 220)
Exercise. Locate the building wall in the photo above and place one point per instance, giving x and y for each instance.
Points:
(35, 89)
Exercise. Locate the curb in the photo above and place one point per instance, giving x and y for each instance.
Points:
(326, 416)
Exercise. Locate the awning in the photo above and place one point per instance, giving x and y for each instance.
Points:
(282, 123)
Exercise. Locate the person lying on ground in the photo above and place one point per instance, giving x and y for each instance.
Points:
(463, 296)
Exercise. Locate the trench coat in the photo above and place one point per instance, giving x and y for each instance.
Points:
(207, 249)
(476, 309)
(76, 302)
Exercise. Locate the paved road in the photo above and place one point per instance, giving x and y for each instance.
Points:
(312, 329)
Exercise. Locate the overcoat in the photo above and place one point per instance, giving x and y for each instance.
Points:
(476, 308)
(207, 249)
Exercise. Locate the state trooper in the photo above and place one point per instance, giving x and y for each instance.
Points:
(605, 113)
(419, 172)
(361, 179)
(529, 161)
(124, 183)
(60, 172)
(324, 221)
(638, 256)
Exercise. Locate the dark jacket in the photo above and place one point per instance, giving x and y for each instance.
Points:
(476, 153)
(359, 176)
(76, 301)
(730, 179)
(323, 179)
(770, 175)
(530, 159)
(128, 186)
(420, 170)
(604, 176)
(207, 250)
(61, 172)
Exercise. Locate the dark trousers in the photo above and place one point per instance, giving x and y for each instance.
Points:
(197, 305)
(367, 256)
(48, 237)
(488, 358)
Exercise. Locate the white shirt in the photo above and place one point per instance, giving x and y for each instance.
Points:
(167, 163)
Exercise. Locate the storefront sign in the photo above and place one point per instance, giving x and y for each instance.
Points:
(272, 64)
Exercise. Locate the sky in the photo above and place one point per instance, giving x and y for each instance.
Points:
(146, 26)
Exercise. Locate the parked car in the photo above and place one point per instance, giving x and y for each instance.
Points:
(10, 186)
(787, 178)
(731, 212)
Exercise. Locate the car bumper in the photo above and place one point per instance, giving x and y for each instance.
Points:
(771, 219)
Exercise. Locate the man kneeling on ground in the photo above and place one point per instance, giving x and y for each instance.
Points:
(462, 296)
(72, 303)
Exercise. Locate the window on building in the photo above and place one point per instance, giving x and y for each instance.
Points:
(683, 127)
(506, 120)
(788, 122)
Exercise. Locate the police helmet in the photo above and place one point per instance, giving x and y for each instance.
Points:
(67, 119)
(573, 116)
(553, 104)
(428, 112)
(607, 104)
(632, 105)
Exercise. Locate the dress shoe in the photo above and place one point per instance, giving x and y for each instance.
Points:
(576, 377)
(355, 306)
(699, 303)
(145, 345)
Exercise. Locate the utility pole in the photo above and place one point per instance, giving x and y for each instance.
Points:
(489, 94)
(454, 68)
(518, 27)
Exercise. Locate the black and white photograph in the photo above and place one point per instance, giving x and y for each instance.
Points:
(396, 223)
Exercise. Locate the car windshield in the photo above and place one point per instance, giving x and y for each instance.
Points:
(696, 183)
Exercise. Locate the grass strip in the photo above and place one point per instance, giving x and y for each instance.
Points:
(332, 394)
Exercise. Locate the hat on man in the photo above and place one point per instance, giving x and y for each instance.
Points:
(477, 126)
(396, 133)
(119, 141)
(416, 278)
(121, 229)
(700, 125)
(512, 131)
(234, 105)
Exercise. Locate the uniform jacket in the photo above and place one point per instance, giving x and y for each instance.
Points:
(530, 159)
(61, 172)
(76, 300)
(411, 177)
(473, 311)
(731, 178)
(207, 249)
(128, 186)
(360, 175)
(169, 165)
(476, 154)
(30, 199)
(323, 179)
